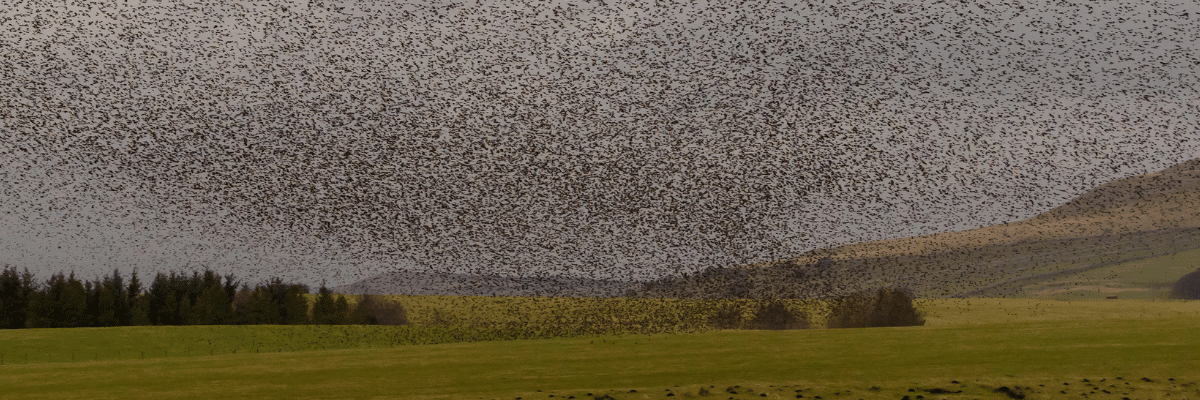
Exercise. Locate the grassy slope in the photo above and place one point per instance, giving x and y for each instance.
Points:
(1130, 219)
(1148, 278)
(148, 342)
(1169, 199)
(982, 343)
(996, 271)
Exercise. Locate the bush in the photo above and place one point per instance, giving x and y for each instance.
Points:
(882, 307)
(1187, 287)
(727, 316)
(375, 310)
(774, 315)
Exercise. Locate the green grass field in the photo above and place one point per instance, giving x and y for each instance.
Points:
(1030, 346)
(1142, 279)
(33, 346)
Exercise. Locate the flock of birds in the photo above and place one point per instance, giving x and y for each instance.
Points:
(327, 140)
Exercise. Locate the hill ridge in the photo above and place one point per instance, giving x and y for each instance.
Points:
(417, 283)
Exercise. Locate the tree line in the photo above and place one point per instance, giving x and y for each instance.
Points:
(64, 301)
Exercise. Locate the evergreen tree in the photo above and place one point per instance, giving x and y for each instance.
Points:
(138, 314)
(289, 303)
(62, 305)
(44, 303)
(241, 306)
(171, 299)
(212, 308)
(107, 304)
(256, 307)
(263, 308)
(115, 287)
(74, 303)
(162, 301)
(92, 290)
(295, 310)
(231, 289)
(184, 314)
(16, 293)
(324, 308)
(341, 310)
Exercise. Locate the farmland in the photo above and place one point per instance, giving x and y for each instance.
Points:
(981, 343)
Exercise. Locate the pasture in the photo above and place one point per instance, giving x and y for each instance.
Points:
(1034, 348)
(1139, 279)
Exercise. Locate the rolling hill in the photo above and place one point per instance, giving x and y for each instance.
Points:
(1122, 226)
(1094, 245)
(451, 284)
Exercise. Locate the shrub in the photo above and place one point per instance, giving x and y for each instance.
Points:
(774, 315)
(375, 310)
(852, 311)
(727, 315)
(1187, 287)
(894, 307)
(875, 308)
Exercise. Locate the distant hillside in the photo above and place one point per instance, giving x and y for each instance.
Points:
(1169, 199)
(448, 284)
(1119, 223)
(1130, 219)
(1175, 190)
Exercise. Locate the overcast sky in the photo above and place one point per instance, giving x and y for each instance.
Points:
(337, 140)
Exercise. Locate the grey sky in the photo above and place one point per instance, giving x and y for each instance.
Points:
(337, 140)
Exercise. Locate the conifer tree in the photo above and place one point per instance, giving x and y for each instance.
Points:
(242, 306)
(138, 313)
(115, 286)
(74, 303)
(212, 308)
(324, 308)
(16, 293)
(341, 310)
(231, 288)
(262, 309)
(157, 302)
(62, 305)
(296, 306)
(92, 313)
(104, 302)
